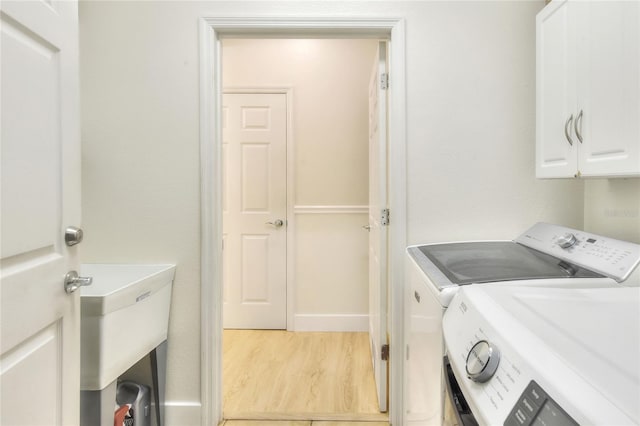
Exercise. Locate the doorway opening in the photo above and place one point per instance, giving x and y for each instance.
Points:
(212, 30)
(295, 152)
(296, 123)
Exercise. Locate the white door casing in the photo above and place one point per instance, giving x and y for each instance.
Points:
(378, 228)
(40, 323)
(254, 157)
(212, 29)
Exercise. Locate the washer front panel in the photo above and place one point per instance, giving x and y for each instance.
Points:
(474, 315)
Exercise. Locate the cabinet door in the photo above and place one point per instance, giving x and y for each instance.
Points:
(555, 91)
(609, 88)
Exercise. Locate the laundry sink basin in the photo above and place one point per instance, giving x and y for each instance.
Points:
(125, 315)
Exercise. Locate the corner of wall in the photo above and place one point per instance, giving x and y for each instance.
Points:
(612, 208)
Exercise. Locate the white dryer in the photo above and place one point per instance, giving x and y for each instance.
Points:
(522, 356)
(546, 256)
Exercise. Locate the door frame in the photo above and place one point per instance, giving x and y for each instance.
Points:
(211, 30)
(290, 173)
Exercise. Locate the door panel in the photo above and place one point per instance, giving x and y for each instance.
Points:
(41, 353)
(255, 177)
(555, 91)
(40, 359)
(609, 87)
(377, 230)
(254, 194)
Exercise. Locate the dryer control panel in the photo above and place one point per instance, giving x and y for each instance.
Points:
(614, 258)
(535, 407)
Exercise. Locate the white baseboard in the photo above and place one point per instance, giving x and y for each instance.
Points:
(183, 413)
(334, 322)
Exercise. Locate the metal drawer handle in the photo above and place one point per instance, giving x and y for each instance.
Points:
(576, 125)
(566, 130)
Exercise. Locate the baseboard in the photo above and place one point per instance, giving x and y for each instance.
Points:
(333, 322)
(183, 413)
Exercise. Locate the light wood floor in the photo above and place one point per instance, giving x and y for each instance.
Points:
(280, 375)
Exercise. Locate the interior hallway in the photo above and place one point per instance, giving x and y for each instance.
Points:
(305, 376)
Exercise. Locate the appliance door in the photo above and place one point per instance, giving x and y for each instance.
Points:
(456, 410)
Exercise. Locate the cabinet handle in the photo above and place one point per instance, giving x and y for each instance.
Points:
(578, 127)
(567, 126)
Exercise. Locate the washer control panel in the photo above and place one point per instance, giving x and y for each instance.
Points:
(482, 361)
(509, 391)
(614, 258)
(492, 389)
(535, 407)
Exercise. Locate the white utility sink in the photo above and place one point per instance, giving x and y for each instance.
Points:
(125, 315)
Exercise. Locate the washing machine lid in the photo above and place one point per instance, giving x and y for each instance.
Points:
(491, 261)
(595, 331)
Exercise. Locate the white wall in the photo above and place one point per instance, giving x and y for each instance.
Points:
(470, 137)
(612, 208)
(329, 79)
(472, 126)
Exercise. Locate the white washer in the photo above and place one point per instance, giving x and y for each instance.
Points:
(558, 357)
(546, 255)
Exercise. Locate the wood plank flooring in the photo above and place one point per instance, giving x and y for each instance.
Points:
(280, 375)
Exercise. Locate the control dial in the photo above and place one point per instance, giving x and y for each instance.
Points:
(482, 361)
(567, 240)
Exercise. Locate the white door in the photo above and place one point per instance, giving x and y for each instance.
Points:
(609, 87)
(40, 344)
(556, 144)
(378, 229)
(254, 211)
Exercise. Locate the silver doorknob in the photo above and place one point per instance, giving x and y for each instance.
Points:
(72, 281)
(277, 223)
(73, 236)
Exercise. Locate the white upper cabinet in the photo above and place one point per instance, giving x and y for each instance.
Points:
(588, 89)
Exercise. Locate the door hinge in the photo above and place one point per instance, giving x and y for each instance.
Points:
(384, 352)
(384, 217)
(384, 81)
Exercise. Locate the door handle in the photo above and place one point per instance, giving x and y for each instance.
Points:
(72, 281)
(567, 125)
(276, 223)
(367, 227)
